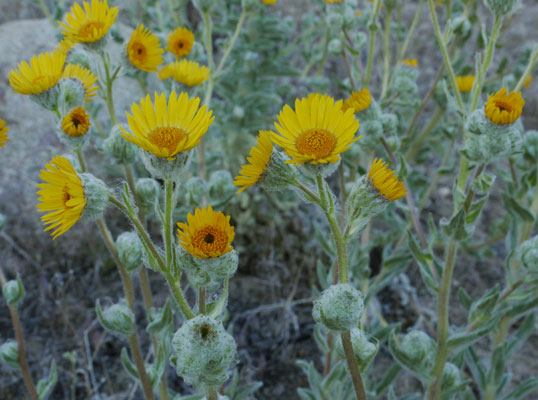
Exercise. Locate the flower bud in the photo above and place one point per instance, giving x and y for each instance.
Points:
(451, 377)
(363, 347)
(204, 271)
(461, 26)
(130, 250)
(118, 148)
(249, 5)
(48, 99)
(389, 122)
(161, 168)
(147, 190)
(9, 353)
(203, 352)
(71, 93)
(196, 189)
(391, 4)
(364, 202)
(278, 175)
(350, 19)
(116, 318)
(335, 47)
(96, 194)
(335, 22)
(3, 219)
(204, 5)
(13, 291)
(420, 349)
(502, 7)
(339, 308)
(527, 253)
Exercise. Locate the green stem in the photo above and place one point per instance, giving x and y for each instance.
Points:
(528, 70)
(411, 32)
(167, 228)
(46, 12)
(235, 35)
(360, 393)
(386, 40)
(371, 45)
(212, 393)
(80, 157)
(201, 300)
(412, 152)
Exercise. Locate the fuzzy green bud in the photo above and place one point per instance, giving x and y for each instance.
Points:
(339, 308)
(13, 291)
(350, 19)
(335, 22)
(48, 99)
(203, 352)
(420, 349)
(147, 191)
(391, 4)
(162, 168)
(451, 377)
(277, 175)
(3, 219)
(130, 250)
(527, 253)
(502, 8)
(205, 271)
(250, 5)
(364, 348)
(335, 47)
(96, 194)
(71, 93)
(118, 148)
(196, 189)
(389, 122)
(364, 202)
(461, 26)
(116, 318)
(9, 353)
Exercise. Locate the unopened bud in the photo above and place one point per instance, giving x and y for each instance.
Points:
(118, 148)
(364, 348)
(130, 250)
(116, 318)
(96, 194)
(13, 291)
(9, 353)
(527, 253)
(147, 190)
(503, 7)
(339, 308)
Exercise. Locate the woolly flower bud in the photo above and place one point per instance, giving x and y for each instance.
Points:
(71, 93)
(130, 250)
(335, 22)
(13, 291)
(9, 353)
(502, 7)
(364, 202)
(249, 5)
(147, 191)
(363, 348)
(389, 122)
(451, 376)
(196, 189)
(48, 99)
(203, 271)
(390, 4)
(116, 318)
(118, 148)
(419, 348)
(3, 219)
(161, 168)
(96, 194)
(339, 307)
(527, 253)
(335, 47)
(203, 352)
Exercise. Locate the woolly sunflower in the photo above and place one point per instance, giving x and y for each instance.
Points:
(503, 108)
(207, 234)
(166, 130)
(61, 196)
(83, 77)
(358, 101)
(258, 158)
(410, 62)
(188, 73)
(90, 24)
(317, 131)
(385, 181)
(144, 49)
(465, 83)
(3, 133)
(76, 123)
(180, 42)
(43, 72)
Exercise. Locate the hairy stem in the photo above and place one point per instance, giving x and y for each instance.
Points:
(386, 58)
(371, 44)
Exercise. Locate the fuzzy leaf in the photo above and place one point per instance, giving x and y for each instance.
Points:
(46, 385)
(523, 389)
(128, 364)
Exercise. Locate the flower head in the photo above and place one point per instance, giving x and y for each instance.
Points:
(89, 24)
(76, 123)
(144, 49)
(180, 42)
(385, 181)
(465, 83)
(65, 46)
(503, 108)
(3, 133)
(358, 101)
(84, 77)
(188, 73)
(43, 72)
(269, 2)
(259, 157)
(317, 131)
(61, 196)
(167, 129)
(410, 62)
(207, 234)
(334, 1)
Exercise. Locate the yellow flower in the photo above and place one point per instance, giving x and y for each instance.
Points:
(334, 1)
(144, 49)
(61, 196)
(65, 46)
(358, 101)
(207, 234)
(166, 130)
(269, 2)
(465, 83)
(503, 108)
(3, 133)
(385, 181)
(318, 131)
(43, 72)
(188, 73)
(90, 24)
(84, 77)
(180, 42)
(76, 123)
(410, 62)
(528, 82)
(260, 155)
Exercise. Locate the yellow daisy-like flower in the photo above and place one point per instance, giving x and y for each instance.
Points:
(385, 181)
(410, 62)
(503, 108)
(318, 131)
(3, 133)
(528, 82)
(207, 234)
(465, 83)
(65, 46)
(144, 49)
(43, 72)
(260, 155)
(358, 101)
(180, 42)
(61, 196)
(90, 24)
(188, 73)
(84, 77)
(269, 2)
(76, 123)
(166, 130)
(334, 1)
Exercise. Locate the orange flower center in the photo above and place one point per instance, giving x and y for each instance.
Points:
(501, 105)
(167, 137)
(138, 52)
(180, 45)
(66, 196)
(90, 28)
(316, 142)
(210, 239)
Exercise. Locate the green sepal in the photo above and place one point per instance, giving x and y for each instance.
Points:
(46, 385)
